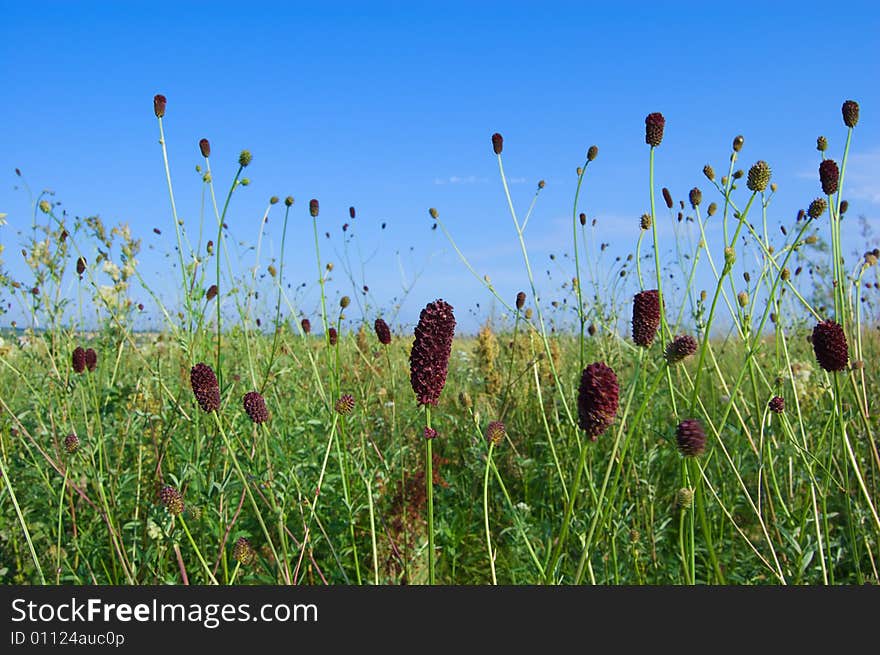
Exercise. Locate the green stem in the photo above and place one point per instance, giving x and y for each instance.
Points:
(486, 511)
(429, 482)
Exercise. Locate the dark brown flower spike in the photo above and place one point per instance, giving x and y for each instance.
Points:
(429, 358)
(830, 347)
(690, 438)
(654, 126)
(91, 359)
(159, 102)
(78, 359)
(205, 387)
(255, 407)
(598, 399)
(383, 332)
(497, 143)
(829, 175)
(646, 317)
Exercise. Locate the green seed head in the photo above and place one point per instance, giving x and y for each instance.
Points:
(244, 158)
(759, 177)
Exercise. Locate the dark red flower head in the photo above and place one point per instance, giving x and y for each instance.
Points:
(497, 143)
(332, 335)
(383, 332)
(777, 404)
(211, 293)
(205, 147)
(646, 317)
(680, 348)
(829, 344)
(520, 299)
(351, 213)
(850, 111)
(79, 359)
(255, 406)
(829, 175)
(429, 433)
(80, 266)
(429, 358)
(91, 359)
(313, 207)
(654, 124)
(159, 102)
(690, 437)
(598, 399)
(205, 387)
(306, 325)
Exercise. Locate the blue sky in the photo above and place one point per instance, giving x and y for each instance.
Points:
(389, 107)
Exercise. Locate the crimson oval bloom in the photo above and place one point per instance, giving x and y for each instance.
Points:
(850, 111)
(646, 317)
(79, 359)
(159, 102)
(680, 348)
(598, 399)
(777, 404)
(205, 387)
(332, 335)
(255, 406)
(829, 175)
(383, 332)
(829, 345)
(654, 125)
(690, 437)
(205, 148)
(429, 358)
(497, 143)
(91, 359)
(306, 325)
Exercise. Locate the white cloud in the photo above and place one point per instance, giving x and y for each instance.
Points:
(458, 179)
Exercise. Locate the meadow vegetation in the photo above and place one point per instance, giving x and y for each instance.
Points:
(626, 427)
